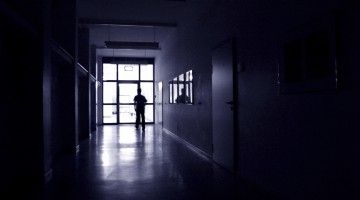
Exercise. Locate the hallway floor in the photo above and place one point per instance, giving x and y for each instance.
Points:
(119, 162)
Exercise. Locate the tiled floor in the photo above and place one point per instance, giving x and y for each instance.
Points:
(119, 162)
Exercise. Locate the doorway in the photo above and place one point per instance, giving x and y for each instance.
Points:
(120, 83)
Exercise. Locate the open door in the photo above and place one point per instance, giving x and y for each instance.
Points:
(223, 106)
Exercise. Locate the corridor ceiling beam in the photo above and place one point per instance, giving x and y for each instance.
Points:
(102, 22)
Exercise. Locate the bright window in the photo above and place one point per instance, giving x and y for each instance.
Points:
(120, 84)
(181, 89)
(128, 72)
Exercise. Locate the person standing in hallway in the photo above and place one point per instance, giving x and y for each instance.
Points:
(140, 102)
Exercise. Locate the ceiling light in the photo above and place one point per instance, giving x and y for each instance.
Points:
(132, 45)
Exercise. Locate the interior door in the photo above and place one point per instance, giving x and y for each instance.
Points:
(223, 104)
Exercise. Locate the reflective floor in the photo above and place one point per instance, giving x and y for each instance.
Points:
(119, 162)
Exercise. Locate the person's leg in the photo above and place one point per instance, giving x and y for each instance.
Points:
(143, 119)
(137, 119)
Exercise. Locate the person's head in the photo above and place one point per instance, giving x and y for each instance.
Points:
(183, 91)
(139, 90)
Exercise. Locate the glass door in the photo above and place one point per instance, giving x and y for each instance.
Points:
(120, 84)
(127, 92)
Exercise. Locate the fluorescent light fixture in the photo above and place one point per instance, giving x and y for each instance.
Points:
(132, 45)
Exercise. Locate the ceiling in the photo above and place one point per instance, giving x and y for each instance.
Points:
(130, 21)
(101, 33)
(146, 20)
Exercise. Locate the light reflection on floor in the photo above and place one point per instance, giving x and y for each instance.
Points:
(119, 162)
(121, 149)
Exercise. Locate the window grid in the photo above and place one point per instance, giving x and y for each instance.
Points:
(185, 81)
(138, 82)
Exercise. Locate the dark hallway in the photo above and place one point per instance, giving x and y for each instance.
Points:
(241, 99)
(119, 162)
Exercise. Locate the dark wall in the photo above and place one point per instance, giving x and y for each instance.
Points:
(93, 89)
(63, 106)
(39, 109)
(84, 48)
(93, 64)
(64, 24)
(21, 144)
(83, 106)
(63, 42)
(296, 146)
(93, 106)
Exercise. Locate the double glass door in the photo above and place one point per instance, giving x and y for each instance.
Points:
(119, 92)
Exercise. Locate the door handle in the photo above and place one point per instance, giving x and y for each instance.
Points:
(229, 102)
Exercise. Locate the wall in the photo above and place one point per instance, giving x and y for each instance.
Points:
(63, 107)
(64, 89)
(21, 143)
(38, 111)
(298, 146)
(83, 106)
(185, 51)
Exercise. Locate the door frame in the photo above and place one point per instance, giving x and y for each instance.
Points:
(161, 103)
(135, 61)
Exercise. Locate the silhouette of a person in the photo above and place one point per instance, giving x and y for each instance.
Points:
(140, 102)
(183, 98)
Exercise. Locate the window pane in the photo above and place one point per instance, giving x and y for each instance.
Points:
(181, 87)
(149, 113)
(127, 114)
(127, 92)
(189, 85)
(171, 92)
(175, 89)
(109, 71)
(181, 78)
(109, 92)
(181, 83)
(187, 89)
(190, 75)
(128, 72)
(191, 93)
(110, 114)
(146, 72)
(147, 91)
